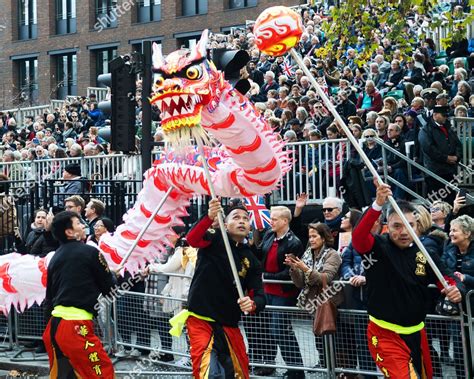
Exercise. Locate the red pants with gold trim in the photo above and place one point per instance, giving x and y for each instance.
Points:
(216, 348)
(74, 350)
(400, 356)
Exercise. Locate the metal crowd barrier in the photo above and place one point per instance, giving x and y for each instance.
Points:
(99, 167)
(140, 318)
(464, 127)
(140, 321)
(21, 113)
(317, 170)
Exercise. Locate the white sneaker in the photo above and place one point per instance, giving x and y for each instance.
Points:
(184, 362)
(135, 353)
(122, 352)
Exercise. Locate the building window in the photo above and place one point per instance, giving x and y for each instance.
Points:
(28, 80)
(103, 57)
(106, 13)
(138, 46)
(148, 10)
(235, 4)
(65, 16)
(66, 75)
(194, 7)
(27, 19)
(187, 42)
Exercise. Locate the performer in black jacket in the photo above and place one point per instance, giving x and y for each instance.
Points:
(397, 282)
(214, 307)
(77, 274)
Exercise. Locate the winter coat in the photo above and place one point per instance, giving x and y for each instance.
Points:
(313, 280)
(286, 245)
(44, 245)
(467, 267)
(436, 147)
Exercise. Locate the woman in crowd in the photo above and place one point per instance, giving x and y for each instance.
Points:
(37, 228)
(459, 257)
(45, 243)
(104, 225)
(306, 273)
(374, 152)
(439, 211)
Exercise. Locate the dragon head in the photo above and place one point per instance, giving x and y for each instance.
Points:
(185, 82)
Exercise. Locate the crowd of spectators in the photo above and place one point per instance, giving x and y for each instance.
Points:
(395, 97)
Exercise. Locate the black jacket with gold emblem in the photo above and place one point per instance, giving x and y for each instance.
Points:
(77, 275)
(213, 293)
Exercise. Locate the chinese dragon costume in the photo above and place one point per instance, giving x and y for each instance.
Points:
(196, 104)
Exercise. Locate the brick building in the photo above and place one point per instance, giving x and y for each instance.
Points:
(53, 48)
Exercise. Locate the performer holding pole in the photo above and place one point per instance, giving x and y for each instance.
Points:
(77, 274)
(213, 314)
(402, 268)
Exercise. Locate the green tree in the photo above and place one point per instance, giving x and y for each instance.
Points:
(370, 17)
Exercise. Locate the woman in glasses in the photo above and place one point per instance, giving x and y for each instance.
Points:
(374, 152)
(439, 211)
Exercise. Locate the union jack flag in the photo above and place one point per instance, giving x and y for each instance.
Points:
(259, 214)
(287, 68)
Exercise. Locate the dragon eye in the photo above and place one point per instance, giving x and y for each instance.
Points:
(159, 81)
(194, 72)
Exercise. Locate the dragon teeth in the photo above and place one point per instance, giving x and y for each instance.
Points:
(176, 100)
(167, 101)
(175, 113)
(185, 98)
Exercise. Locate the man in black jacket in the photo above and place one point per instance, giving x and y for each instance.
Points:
(442, 151)
(214, 307)
(77, 275)
(276, 243)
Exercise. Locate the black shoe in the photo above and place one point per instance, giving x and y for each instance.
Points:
(264, 371)
(294, 374)
(166, 357)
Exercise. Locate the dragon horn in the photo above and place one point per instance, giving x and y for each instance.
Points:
(157, 59)
(200, 49)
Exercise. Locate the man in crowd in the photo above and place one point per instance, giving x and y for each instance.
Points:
(276, 243)
(369, 100)
(77, 275)
(442, 151)
(397, 292)
(94, 212)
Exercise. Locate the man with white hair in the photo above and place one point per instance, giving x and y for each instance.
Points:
(332, 217)
(75, 150)
(264, 64)
(269, 84)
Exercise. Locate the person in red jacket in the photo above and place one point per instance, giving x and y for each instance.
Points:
(397, 292)
(214, 308)
(369, 100)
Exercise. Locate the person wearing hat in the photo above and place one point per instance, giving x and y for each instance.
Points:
(442, 99)
(441, 149)
(429, 96)
(214, 307)
(72, 176)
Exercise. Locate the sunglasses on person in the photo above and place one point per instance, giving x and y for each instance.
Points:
(433, 210)
(328, 209)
